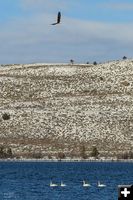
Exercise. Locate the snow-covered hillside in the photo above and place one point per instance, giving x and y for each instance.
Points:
(59, 107)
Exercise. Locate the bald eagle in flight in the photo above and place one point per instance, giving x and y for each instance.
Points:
(58, 19)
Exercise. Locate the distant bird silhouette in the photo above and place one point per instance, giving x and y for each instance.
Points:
(58, 19)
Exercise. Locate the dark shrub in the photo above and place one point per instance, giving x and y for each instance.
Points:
(1, 151)
(130, 154)
(124, 57)
(83, 152)
(94, 63)
(101, 78)
(37, 155)
(6, 116)
(49, 156)
(61, 155)
(5, 152)
(94, 152)
(125, 156)
(125, 83)
(72, 61)
(9, 152)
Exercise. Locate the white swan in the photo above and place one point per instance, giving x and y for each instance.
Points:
(53, 184)
(100, 185)
(86, 184)
(62, 184)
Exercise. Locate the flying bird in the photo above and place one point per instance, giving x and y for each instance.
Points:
(58, 19)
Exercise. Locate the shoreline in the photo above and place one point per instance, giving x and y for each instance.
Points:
(64, 160)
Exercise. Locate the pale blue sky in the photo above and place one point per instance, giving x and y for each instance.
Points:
(91, 30)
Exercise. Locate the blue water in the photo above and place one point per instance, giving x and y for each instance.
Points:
(30, 180)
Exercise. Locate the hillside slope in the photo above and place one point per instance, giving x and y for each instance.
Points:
(61, 107)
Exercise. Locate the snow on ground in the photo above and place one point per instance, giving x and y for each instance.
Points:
(83, 103)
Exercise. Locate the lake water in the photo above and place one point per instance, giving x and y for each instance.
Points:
(30, 180)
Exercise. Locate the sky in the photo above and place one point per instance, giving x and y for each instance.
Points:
(90, 30)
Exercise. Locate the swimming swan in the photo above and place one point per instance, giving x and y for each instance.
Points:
(62, 184)
(53, 184)
(86, 184)
(100, 185)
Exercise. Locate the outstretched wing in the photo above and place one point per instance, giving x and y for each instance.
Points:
(54, 23)
(59, 17)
